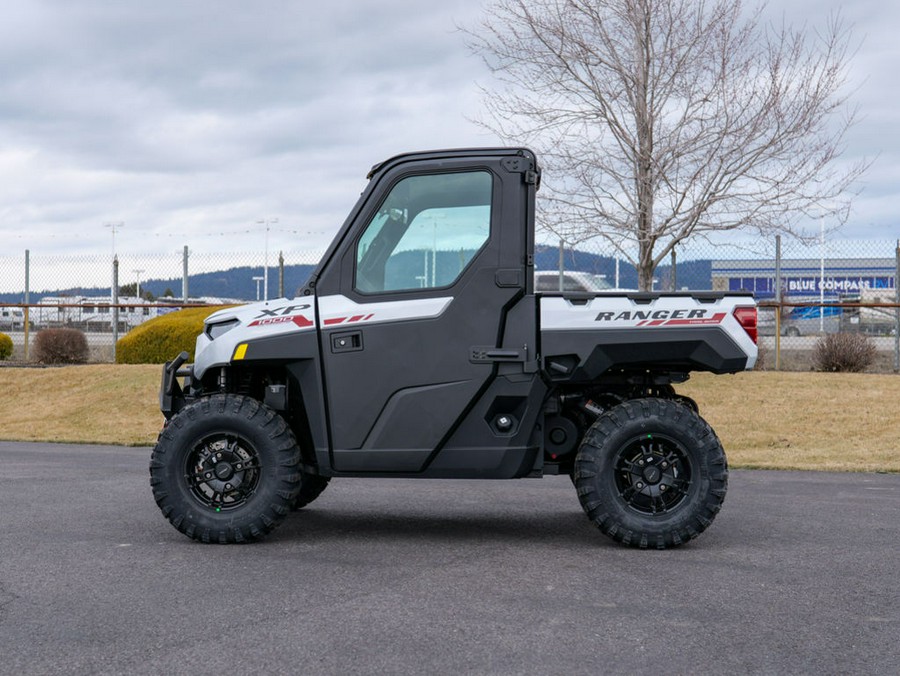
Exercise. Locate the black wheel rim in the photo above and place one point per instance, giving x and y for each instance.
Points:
(653, 474)
(222, 472)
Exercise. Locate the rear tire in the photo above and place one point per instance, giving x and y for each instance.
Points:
(651, 473)
(225, 469)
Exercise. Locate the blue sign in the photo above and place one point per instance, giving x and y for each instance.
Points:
(832, 286)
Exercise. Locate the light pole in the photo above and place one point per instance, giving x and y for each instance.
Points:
(137, 288)
(822, 273)
(268, 222)
(118, 225)
(114, 287)
(823, 209)
(434, 222)
(258, 280)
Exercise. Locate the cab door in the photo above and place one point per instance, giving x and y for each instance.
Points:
(416, 304)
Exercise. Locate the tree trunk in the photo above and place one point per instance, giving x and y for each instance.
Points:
(645, 270)
(644, 179)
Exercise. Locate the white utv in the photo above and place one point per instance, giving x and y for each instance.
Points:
(420, 349)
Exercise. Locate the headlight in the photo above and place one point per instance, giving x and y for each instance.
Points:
(220, 328)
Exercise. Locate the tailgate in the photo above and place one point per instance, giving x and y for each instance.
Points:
(584, 336)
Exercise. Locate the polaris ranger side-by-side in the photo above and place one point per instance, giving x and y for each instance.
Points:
(420, 349)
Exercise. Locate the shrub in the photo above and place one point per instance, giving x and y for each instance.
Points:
(161, 339)
(844, 352)
(6, 346)
(60, 346)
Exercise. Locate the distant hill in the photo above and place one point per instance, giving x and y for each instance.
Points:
(405, 269)
(694, 275)
(235, 283)
(408, 267)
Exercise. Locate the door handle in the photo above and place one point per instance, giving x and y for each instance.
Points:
(489, 354)
(346, 342)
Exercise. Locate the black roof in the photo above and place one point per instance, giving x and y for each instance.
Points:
(449, 154)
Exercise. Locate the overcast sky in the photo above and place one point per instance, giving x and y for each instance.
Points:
(190, 120)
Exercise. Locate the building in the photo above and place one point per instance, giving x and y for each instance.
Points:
(90, 313)
(803, 279)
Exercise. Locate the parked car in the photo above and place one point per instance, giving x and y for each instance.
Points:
(12, 318)
(807, 321)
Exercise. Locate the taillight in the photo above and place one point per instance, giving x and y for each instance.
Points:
(746, 317)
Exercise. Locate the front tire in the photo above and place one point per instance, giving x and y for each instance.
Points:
(311, 487)
(651, 473)
(225, 469)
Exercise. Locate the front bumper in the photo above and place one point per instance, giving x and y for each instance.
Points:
(171, 395)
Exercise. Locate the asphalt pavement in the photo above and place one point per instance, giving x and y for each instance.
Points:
(798, 574)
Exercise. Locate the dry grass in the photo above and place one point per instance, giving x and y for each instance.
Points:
(103, 404)
(824, 421)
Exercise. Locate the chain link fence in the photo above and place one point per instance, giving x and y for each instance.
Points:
(805, 289)
(106, 296)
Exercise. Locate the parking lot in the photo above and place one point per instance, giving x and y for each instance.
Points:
(797, 575)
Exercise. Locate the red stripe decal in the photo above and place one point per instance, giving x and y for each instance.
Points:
(334, 320)
(715, 319)
(299, 320)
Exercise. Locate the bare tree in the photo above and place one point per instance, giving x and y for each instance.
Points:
(664, 120)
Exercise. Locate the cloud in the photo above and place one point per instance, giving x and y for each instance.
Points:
(189, 119)
(187, 116)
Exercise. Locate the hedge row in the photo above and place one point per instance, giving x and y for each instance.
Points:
(6, 346)
(161, 339)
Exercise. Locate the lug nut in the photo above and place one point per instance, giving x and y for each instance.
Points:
(227, 487)
(662, 487)
(640, 484)
(209, 475)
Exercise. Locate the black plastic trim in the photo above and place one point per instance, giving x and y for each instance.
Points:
(593, 353)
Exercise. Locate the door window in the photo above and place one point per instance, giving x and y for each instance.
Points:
(426, 232)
